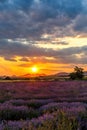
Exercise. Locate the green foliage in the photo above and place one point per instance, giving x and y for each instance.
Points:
(66, 122)
(9, 114)
(73, 76)
(77, 74)
(60, 122)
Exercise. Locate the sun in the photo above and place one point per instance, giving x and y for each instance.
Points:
(34, 69)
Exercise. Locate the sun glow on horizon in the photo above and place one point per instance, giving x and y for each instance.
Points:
(34, 69)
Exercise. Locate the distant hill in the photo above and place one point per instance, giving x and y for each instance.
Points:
(32, 75)
(38, 75)
(62, 74)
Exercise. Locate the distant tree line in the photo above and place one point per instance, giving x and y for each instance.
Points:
(77, 74)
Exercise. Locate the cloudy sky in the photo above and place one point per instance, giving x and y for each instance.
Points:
(49, 34)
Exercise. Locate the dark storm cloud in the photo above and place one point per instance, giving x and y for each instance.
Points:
(10, 59)
(60, 42)
(2, 1)
(31, 18)
(68, 7)
(24, 59)
(14, 48)
(80, 24)
(15, 4)
(10, 49)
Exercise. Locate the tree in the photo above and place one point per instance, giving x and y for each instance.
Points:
(72, 76)
(77, 74)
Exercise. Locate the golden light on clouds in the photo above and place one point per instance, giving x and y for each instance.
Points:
(45, 64)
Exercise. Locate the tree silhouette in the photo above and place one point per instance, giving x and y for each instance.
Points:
(77, 74)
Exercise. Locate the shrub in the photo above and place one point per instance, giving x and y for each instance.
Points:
(17, 113)
(77, 74)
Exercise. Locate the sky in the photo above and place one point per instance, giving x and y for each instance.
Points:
(48, 34)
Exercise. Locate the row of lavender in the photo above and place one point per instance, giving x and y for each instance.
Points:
(20, 114)
(57, 91)
(43, 106)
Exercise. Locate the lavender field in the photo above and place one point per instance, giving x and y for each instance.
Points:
(43, 105)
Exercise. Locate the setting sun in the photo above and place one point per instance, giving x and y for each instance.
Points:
(34, 69)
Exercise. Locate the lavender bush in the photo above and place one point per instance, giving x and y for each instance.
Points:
(43, 105)
(9, 112)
